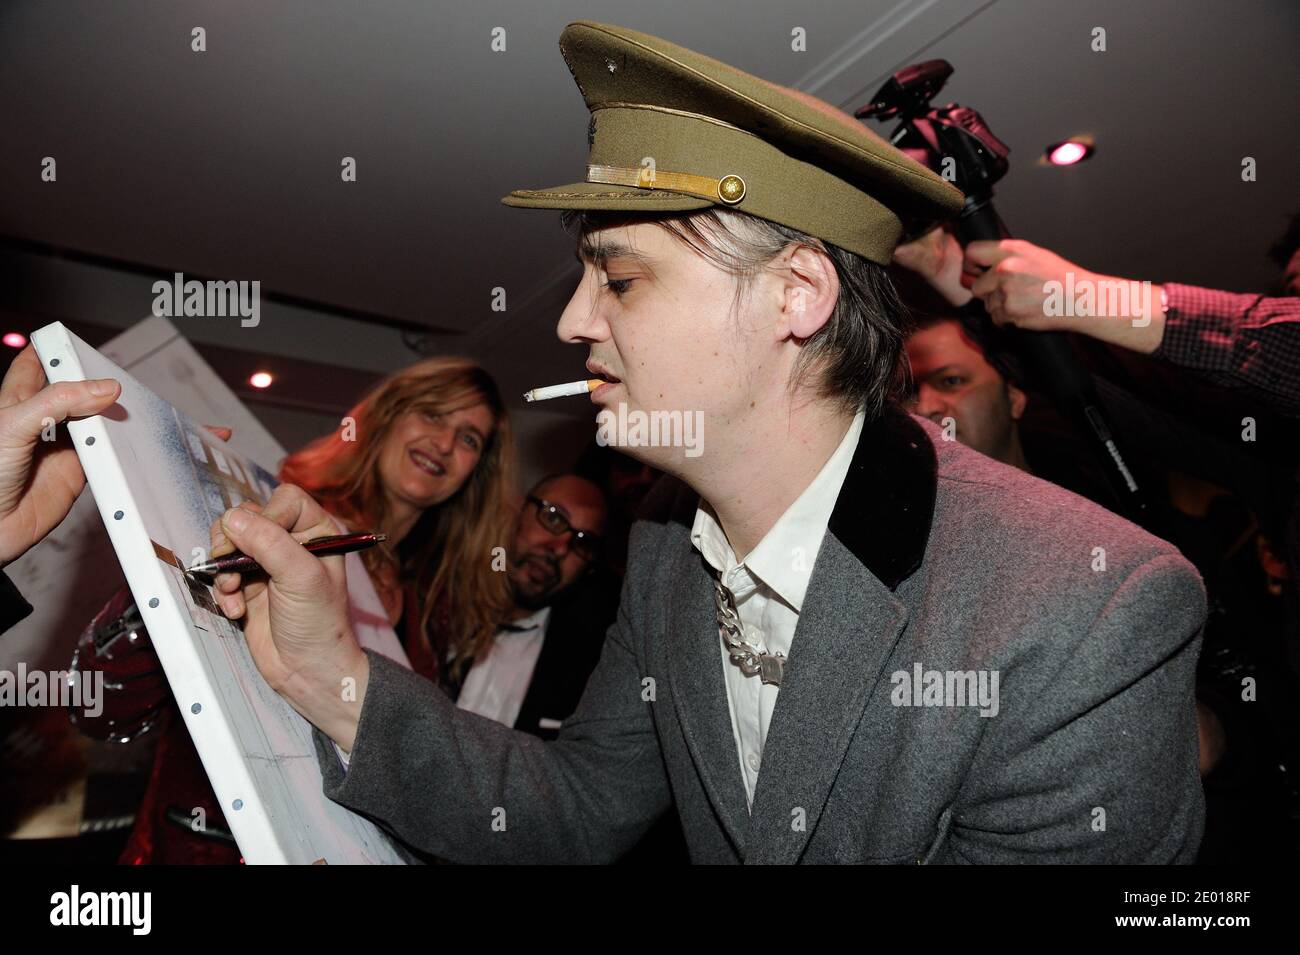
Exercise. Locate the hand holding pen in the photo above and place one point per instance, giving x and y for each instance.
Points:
(329, 545)
(296, 621)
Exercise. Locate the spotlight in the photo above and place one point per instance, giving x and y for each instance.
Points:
(261, 379)
(15, 339)
(1068, 153)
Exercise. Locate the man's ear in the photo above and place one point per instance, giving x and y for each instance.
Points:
(1018, 400)
(811, 287)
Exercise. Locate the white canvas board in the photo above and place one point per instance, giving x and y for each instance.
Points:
(73, 573)
(159, 480)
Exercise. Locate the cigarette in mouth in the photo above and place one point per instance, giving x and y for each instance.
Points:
(562, 391)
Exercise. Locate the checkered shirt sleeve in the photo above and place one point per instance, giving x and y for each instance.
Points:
(1241, 341)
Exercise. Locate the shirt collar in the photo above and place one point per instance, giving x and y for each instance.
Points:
(533, 621)
(784, 558)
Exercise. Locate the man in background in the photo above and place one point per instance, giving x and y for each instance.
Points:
(542, 656)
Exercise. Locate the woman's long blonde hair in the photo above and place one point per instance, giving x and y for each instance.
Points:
(448, 553)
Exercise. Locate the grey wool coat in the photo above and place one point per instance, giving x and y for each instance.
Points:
(936, 558)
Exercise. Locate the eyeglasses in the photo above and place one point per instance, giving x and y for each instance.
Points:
(584, 543)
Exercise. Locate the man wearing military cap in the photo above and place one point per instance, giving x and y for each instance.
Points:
(921, 656)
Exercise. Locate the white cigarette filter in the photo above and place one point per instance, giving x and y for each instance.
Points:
(563, 391)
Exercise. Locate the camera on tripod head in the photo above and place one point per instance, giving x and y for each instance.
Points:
(952, 140)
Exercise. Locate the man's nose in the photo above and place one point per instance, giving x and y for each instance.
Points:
(560, 544)
(929, 403)
(582, 319)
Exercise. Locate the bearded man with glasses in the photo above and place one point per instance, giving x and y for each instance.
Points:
(537, 668)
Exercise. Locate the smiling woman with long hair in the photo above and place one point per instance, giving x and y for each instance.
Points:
(426, 457)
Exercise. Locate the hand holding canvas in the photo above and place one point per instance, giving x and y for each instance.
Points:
(39, 479)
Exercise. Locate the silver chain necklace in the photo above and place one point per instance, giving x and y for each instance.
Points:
(769, 667)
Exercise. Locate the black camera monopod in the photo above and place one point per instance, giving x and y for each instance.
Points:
(957, 144)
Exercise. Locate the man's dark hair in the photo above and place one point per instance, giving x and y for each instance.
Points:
(546, 479)
(1282, 250)
(993, 342)
(857, 354)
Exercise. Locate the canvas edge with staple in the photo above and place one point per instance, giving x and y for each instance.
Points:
(214, 738)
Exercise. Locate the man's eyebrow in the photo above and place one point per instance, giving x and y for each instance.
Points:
(951, 366)
(598, 255)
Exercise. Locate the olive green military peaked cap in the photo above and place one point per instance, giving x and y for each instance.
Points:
(672, 130)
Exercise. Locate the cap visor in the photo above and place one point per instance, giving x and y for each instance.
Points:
(598, 195)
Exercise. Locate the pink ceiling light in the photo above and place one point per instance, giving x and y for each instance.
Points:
(1068, 153)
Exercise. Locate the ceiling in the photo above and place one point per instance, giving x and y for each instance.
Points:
(226, 163)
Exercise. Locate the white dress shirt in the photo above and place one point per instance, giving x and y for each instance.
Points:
(768, 587)
(496, 685)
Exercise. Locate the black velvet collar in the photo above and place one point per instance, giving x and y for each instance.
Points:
(886, 504)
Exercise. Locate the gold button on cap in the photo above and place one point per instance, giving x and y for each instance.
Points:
(731, 189)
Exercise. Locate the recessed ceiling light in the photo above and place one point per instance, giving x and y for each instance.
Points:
(1068, 153)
